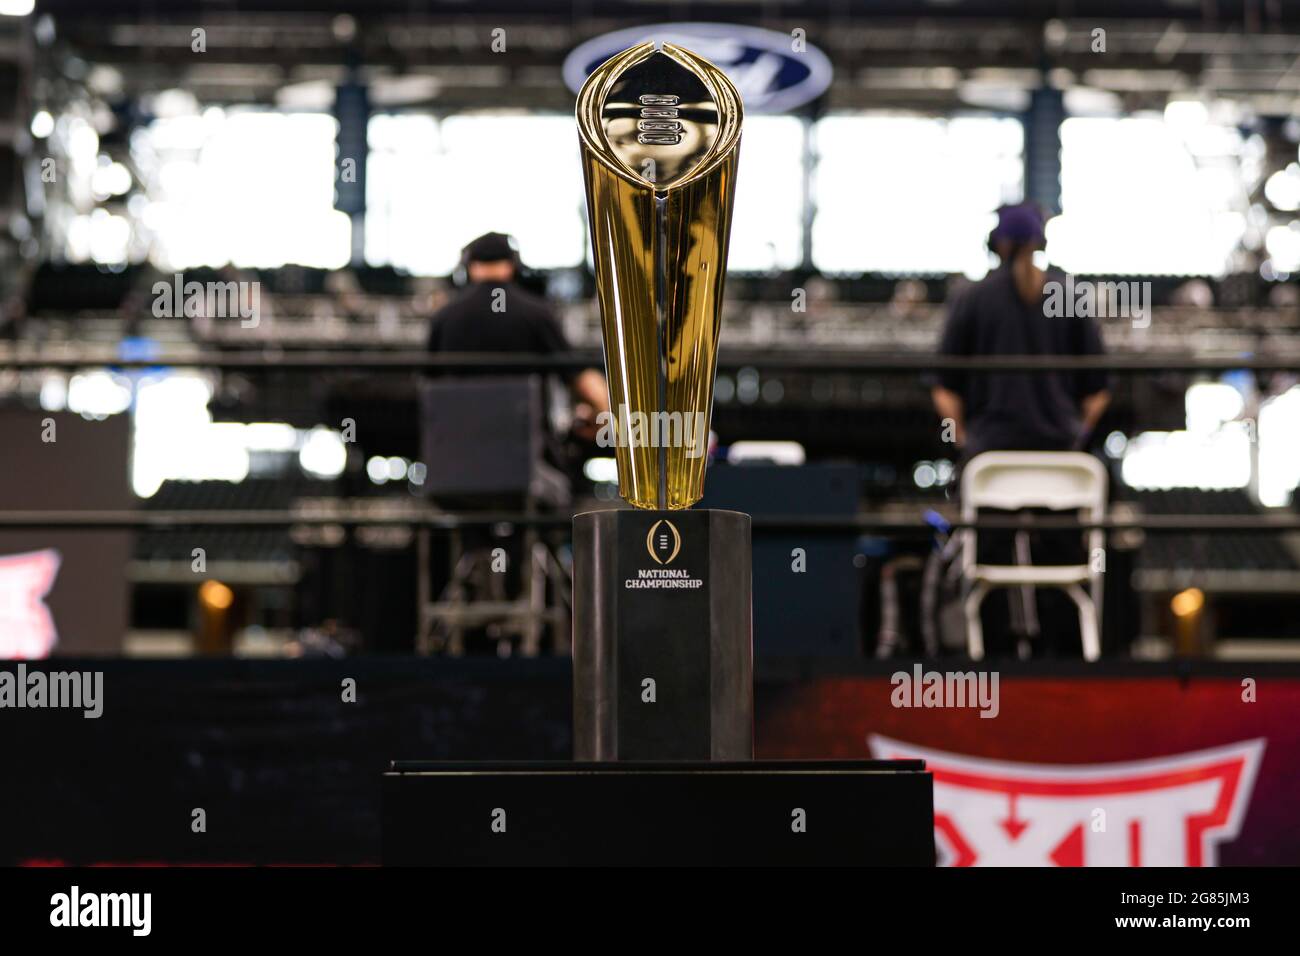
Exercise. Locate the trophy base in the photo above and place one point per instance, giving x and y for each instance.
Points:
(662, 649)
(757, 813)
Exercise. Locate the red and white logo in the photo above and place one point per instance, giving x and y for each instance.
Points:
(26, 625)
(1168, 811)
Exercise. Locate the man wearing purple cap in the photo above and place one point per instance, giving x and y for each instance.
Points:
(1003, 314)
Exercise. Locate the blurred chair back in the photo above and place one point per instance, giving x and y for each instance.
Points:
(483, 443)
(481, 436)
(1011, 480)
(1014, 480)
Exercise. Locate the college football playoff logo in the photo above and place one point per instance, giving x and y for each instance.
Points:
(663, 541)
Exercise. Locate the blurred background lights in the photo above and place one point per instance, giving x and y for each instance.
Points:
(323, 453)
(42, 124)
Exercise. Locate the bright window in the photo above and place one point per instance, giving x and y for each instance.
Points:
(1147, 195)
(1279, 452)
(249, 188)
(434, 185)
(912, 194)
(1213, 452)
(766, 229)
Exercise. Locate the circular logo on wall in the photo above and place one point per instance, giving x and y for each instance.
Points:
(774, 72)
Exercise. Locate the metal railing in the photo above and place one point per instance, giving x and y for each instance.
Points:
(864, 523)
(764, 360)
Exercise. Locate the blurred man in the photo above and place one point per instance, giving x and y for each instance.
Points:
(1003, 314)
(495, 314)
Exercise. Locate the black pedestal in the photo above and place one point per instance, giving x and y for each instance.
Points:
(853, 813)
(662, 661)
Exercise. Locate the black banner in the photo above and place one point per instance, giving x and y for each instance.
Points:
(338, 906)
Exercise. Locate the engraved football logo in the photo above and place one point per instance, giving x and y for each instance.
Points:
(658, 125)
(663, 541)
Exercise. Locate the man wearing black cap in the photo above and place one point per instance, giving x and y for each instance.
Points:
(1004, 314)
(496, 314)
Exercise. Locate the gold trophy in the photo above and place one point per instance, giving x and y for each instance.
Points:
(663, 703)
(662, 656)
(660, 134)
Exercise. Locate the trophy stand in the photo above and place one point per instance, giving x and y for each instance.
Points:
(662, 661)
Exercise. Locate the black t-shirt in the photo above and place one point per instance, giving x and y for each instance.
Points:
(521, 323)
(1018, 411)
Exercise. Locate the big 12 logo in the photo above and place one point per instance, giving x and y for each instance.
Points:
(1167, 811)
(26, 625)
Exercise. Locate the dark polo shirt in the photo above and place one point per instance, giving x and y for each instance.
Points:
(1017, 411)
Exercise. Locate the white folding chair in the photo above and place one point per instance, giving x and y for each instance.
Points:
(1012, 480)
